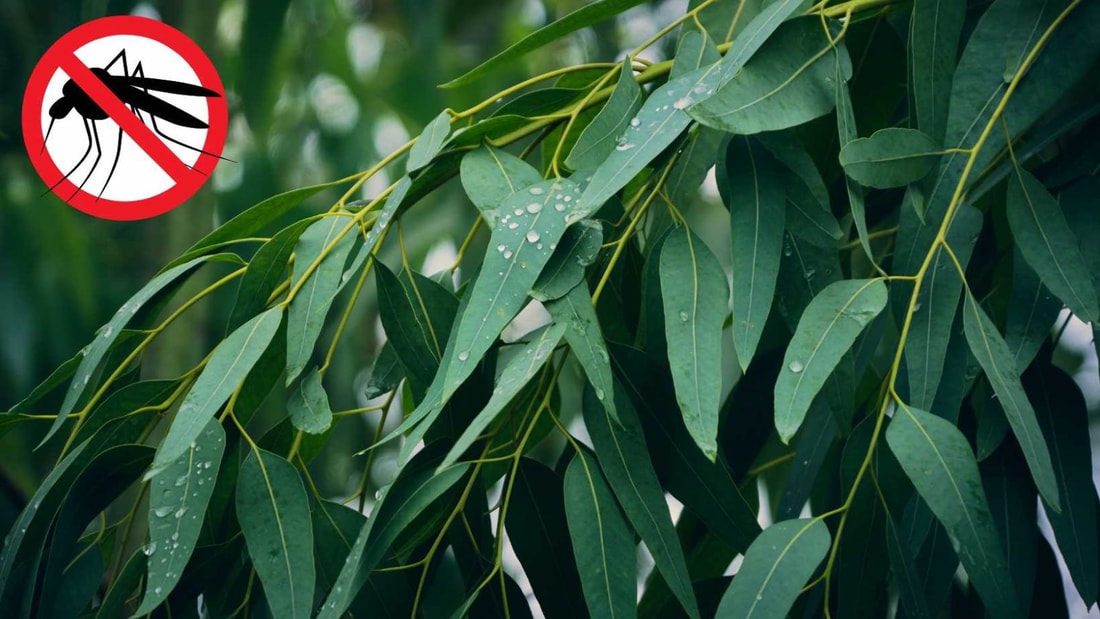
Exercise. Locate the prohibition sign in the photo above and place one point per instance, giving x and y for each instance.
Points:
(153, 110)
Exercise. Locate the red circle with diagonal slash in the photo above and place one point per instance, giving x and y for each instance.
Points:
(61, 57)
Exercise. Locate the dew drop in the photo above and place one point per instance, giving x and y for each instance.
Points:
(568, 198)
(534, 207)
(108, 331)
(161, 512)
(537, 191)
(513, 226)
(559, 207)
(634, 122)
(795, 366)
(182, 479)
(599, 393)
(464, 355)
(916, 308)
(518, 211)
(683, 316)
(507, 255)
(532, 236)
(682, 103)
(539, 246)
(502, 247)
(622, 147)
(150, 548)
(158, 590)
(180, 512)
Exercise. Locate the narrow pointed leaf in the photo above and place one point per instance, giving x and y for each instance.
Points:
(757, 203)
(598, 139)
(177, 507)
(586, 342)
(265, 272)
(1049, 246)
(755, 33)
(1064, 420)
(1000, 368)
(602, 543)
(910, 587)
(657, 125)
(938, 460)
(386, 373)
(307, 311)
(624, 459)
(828, 329)
(786, 83)
(846, 132)
(776, 567)
(582, 17)
(308, 405)
(406, 499)
(891, 157)
(489, 176)
(1032, 309)
(273, 509)
(517, 373)
(934, 30)
(694, 296)
(97, 350)
(429, 142)
(374, 235)
(228, 366)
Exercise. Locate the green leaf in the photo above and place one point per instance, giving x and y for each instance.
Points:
(62, 374)
(250, 221)
(308, 308)
(489, 176)
(386, 373)
(755, 34)
(597, 141)
(417, 314)
(517, 373)
(602, 543)
(815, 438)
(273, 509)
(1031, 311)
(786, 83)
(934, 31)
(178, 500)
(581, 18)
(406, 499)
(938, 460)
(756, 199)
(122, 588)
(579, 248)
(937, 304)
(776, 567)
(106, 336)
(625, 460)
(891, 157)
(828, 329)
(809, 215)
(846, 132)
(910, 587)
(586, 340)
(1049, 246)
(1000, 368)
(1063, 419)
(308, 405)
(659, 122)
(537, 529)
(694, 296)
(228, 365)
(1012, 504)
(257, 77)
(520, 246)
(430, 142)
(265, 272)
(385, 216)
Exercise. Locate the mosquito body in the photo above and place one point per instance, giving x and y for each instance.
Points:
(134, 90)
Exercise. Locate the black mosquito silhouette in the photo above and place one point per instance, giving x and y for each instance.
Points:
(133, 89)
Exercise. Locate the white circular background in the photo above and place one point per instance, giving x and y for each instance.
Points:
(137, 176)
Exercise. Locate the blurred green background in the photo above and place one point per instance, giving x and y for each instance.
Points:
(317, 90)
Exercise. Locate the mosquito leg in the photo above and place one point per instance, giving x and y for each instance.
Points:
(114, 164)
(98, 156)
(121, 55)
(88, 134)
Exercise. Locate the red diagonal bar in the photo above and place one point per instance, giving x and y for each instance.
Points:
(118, 112)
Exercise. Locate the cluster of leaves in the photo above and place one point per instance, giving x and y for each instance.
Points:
(900, 285)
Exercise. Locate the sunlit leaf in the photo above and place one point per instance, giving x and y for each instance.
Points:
(602, 543)
(228, 365)
(273, 510)
(178, 499)
(430, 142)
(776, 567)
(1048, 244)
(756, 197)
(695, 296)
(890, 157)
(1000, 368)
(489, 176)
(827, 330)
(938, 460)
(786, 83)
(624, 458)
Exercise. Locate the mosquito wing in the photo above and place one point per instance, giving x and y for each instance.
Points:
(158, 107)
(169, 86)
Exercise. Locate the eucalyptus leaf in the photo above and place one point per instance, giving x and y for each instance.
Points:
(273, 510)
(694, 295)
(489, 176)
(935, 27)
(308, 405)
(598, 139)
(828, 329)
(890, 157)
(579, 248)
(430, 142)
